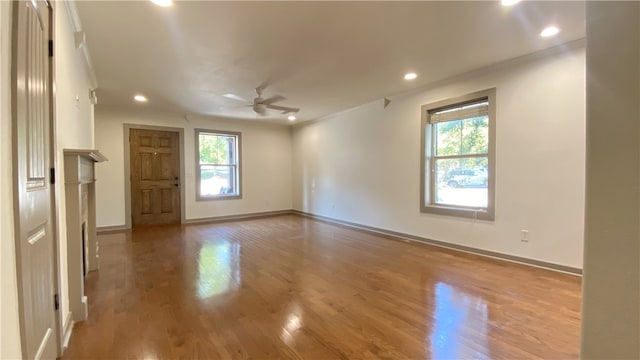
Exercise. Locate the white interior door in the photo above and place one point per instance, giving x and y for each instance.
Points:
(31, 121)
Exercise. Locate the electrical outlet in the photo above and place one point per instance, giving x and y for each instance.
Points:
(524, 235)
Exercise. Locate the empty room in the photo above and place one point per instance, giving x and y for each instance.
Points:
(320, 179)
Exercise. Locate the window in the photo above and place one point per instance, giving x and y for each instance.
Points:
(458, 167)
(217, 165)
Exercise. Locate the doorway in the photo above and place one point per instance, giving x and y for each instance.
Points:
(154, 171)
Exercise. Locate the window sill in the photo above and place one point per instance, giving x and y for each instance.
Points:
(218, 197)
(480, 214)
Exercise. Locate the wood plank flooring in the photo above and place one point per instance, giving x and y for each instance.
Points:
(289, 287)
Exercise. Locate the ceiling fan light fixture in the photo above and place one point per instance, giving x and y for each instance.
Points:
(163, 3)
(291, 118)
(260, 108)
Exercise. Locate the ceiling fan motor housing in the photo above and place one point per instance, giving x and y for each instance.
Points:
(260, 108)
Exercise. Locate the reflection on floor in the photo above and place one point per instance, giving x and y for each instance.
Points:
(218, 268)
(456, 312)
(292, 287)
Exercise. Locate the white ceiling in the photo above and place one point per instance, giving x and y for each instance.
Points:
(322, 56)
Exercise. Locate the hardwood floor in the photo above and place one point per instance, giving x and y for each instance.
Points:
(292, 287)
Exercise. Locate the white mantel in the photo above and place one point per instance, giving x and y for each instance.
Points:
(79, 180)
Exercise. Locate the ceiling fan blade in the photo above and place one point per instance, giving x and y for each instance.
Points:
(236, 107)
(262, 86)
(273, 99)
(284, 109)
(235, 97)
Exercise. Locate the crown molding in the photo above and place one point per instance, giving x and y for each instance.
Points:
(76, 27)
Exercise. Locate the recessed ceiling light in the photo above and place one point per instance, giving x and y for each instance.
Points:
(140, 98)
(291, 118)
(549, 31)
(509, 2)
(163, 3)
(410, 76)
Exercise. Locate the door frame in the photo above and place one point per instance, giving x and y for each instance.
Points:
(59, 324)
(64, 325)
(127, 168)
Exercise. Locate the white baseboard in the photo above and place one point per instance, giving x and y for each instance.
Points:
(103, 229)
(67, 330)
(224, 218)
(238, 217)
(406, 237)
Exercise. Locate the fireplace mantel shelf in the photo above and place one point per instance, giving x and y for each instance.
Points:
(92, 154)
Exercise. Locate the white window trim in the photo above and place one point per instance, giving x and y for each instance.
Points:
(426, 190)
(238, 135)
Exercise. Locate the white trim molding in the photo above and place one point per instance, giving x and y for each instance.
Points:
(106, 229)
(67, 330)
(76, 26)
(467, 249)
(43, 344)
(393, 235)
(238, 217)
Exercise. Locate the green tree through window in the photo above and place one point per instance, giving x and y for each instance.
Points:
(214, 149)
(460, 137)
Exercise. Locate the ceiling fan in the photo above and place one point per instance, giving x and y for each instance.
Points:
(260, 104)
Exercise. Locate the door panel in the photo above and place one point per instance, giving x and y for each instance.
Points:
(147, 202)
(166, 167)
(155, 171)
(166, 196)
(31, 116)
(146, 167)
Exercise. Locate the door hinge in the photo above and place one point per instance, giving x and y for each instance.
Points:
(56, 302)
(52, 175)
(50, 47)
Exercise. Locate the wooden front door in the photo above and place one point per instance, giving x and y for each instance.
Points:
(155, 177)
(31, 112)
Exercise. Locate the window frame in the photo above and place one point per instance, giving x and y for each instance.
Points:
(238, 165)
(427, 160)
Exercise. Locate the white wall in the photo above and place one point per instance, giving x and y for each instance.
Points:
(611, 283)
(74, 124)
(266, 164)
(362, 165)
(9, 323)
